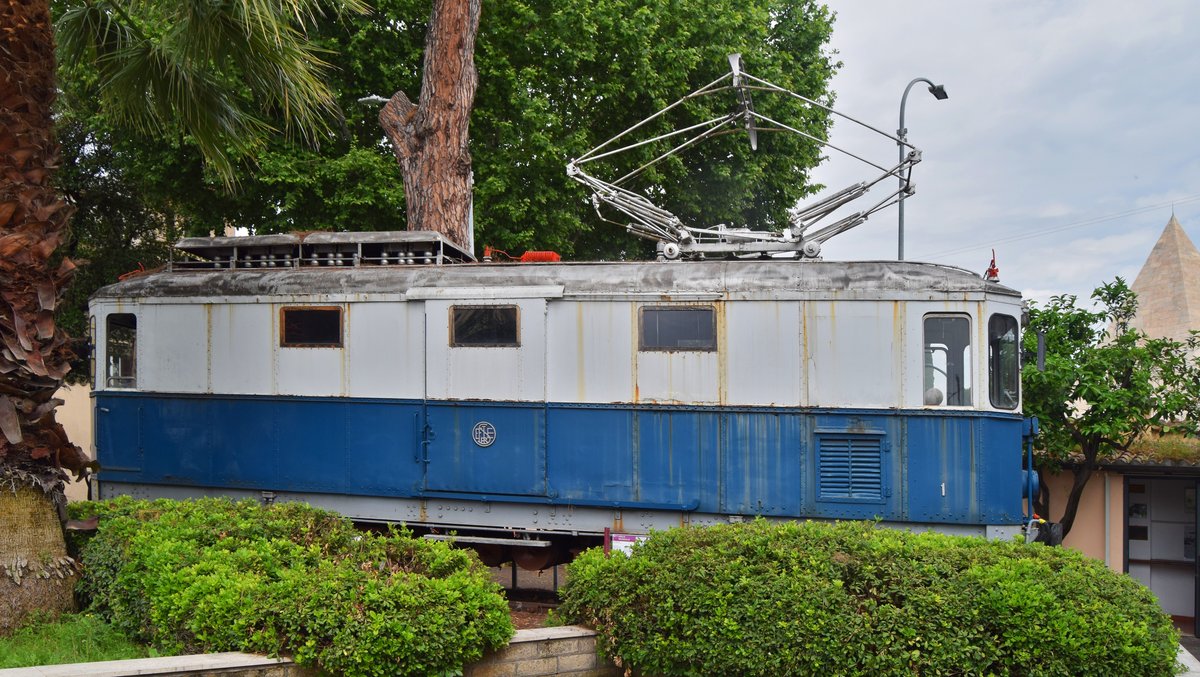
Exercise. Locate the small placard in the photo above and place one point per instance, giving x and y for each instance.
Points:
(624, 542)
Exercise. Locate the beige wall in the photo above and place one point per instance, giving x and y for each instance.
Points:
(1087, 534)
(76, 417)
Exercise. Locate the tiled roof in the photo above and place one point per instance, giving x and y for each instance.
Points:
(1150, 459)
(1141, 459)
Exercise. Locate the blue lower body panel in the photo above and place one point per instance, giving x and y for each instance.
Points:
(322, 445)
(925, 466)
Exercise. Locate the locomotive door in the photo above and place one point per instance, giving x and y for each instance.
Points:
(485, 386)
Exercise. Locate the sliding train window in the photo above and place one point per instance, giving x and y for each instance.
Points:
(1004, 362)
(310, 327)
(484, 327)
(947, 360)
(120, 350)
(677, 328)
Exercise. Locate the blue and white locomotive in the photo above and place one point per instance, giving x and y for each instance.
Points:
(386, 376)
(562, 398)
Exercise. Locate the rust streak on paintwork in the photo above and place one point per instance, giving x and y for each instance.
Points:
(722, 353)
(344, 363)
(805, 356)
(635, 312)
(272, 344)
(899, 347)
(580, 355)
(208, 347)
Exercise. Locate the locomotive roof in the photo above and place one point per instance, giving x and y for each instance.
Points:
(718, 279)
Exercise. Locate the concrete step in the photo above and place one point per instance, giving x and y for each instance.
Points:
(232, 664)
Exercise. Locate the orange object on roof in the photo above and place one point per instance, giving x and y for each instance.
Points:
(539, 257)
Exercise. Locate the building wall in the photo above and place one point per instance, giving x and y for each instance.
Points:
(75, 415)
(1087, 534)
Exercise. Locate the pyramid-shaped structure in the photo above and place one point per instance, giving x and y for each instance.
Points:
(1168, 286)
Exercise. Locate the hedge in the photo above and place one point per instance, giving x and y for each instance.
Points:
(214, 575)
(767, 598)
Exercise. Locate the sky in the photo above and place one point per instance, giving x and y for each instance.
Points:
(1071, 131)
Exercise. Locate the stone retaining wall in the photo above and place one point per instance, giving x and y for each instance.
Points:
(569, 650)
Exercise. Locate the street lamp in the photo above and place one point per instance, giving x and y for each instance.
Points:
(939, 93)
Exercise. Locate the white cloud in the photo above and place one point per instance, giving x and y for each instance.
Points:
(1070, 126)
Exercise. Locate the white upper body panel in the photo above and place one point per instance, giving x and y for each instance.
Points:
(783, 334)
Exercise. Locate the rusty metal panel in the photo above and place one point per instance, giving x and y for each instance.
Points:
(242, 343)
(682, 376)
(310, 371)
(386, 350)
(765, 280)
(589, 352)
(678, 377)
(172, 345)
(854, 352)
(761, 362)
(515, 373)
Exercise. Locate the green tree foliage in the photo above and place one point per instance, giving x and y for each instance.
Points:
(556, 79)
(161, 105)
(781, 598)
(223, 73)
(1104, 385)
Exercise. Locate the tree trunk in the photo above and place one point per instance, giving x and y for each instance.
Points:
(1041, 506)
(430, 138)
(34, 353)
(1082, 473)
(35, 572)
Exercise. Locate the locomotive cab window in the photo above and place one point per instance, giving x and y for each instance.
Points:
(310, 327)
(678, 328)
(484, 327)
(947, 361)
(120, 350)
(1004, 365)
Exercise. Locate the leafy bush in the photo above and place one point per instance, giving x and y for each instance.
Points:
(850, 598)
(213, 575)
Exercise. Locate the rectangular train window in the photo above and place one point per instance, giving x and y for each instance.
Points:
(120, 350)
(484, 327)
(678, 328)
(1004, 364)
(850, 468)
(310, 327)
(947, 360)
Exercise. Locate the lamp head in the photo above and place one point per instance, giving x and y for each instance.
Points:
(939, 92)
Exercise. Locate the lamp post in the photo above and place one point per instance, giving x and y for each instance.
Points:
(939, 92)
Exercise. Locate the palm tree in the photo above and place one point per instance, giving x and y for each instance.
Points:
(214, 72)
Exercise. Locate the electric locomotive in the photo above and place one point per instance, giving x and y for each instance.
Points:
(535, 407)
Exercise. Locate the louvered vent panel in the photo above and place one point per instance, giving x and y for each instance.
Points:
(850, 468)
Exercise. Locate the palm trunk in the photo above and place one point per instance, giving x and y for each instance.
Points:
(35, 572)
(430, 137)
(34, 353)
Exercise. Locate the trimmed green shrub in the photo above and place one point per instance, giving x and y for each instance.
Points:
(767, 598)
(214, 575)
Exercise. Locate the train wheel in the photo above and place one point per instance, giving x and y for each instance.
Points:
(535, 559)
(492, 555)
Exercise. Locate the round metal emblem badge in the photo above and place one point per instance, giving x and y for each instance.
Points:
(484, 434)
